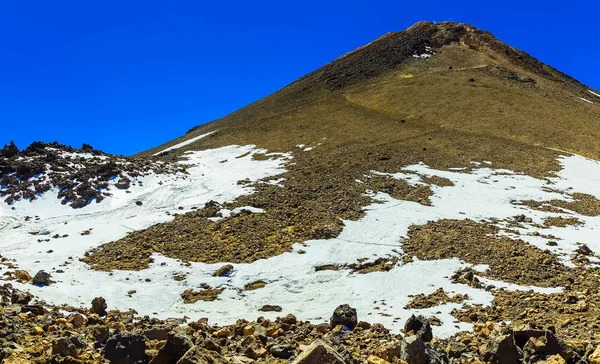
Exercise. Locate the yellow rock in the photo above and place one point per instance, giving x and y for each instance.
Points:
(61, 321)
(555, 359)
(376, 360)
(248, 330)
(22, 275)
(38, 330)
(577, 345)
(274, 331)
(595, 357)
(224, 332)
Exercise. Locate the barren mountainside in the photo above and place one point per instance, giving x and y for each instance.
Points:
(436, 189)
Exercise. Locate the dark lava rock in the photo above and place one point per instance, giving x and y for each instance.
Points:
(344, 315)
(20, 298)
(175, 348)
(9, 150)
(584, 250)
(420, 327)
(282, 351)
(123, 184)
(42, 278)
(99, 306)
(125, 349)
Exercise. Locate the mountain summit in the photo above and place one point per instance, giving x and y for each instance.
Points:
(435, 181)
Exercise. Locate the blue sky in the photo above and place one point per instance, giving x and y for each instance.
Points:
(125, 76)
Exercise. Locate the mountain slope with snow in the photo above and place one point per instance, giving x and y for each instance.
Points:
(435, 171)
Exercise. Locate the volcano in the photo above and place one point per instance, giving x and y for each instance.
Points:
(435, 175)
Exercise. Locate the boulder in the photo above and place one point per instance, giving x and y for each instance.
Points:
(63, 347)
(270, 308)
(99, 333)
(42, 278)
(420, 327)
(502, 350)
(125, 349)
(413, 350)
(289, 319)
(344, 315)
(20, 298)
(175, 348)
(123, 184)
(282, 351)
(22, 275)
(319, 352)
(224, 271)
(99, 306)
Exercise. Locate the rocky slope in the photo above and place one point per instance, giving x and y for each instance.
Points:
(435, 172)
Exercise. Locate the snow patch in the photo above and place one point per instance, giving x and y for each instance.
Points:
(586, 100)
(292, 281)
(428, 53)
(593, 93)
(183, 144)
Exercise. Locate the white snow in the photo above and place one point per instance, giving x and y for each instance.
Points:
(593, 93)
(428, 53)
(586, 100)
(482, 194)
(183, 144)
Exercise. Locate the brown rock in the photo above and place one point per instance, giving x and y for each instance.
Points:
(289, 319)
(319, 352)
(63, 347)
(270, 308)
(413, 350)
(224, 271)
(502, 350)
(256, 351)
(175, 348)
(99, 306)
(199, 355)
(77, 320)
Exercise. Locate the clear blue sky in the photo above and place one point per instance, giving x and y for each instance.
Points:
(125, 76)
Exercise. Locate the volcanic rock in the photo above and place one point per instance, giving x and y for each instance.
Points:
(125, 349)
(419, 326)
(319, 352)
(42, 278)
(344, 315)
(99, 306)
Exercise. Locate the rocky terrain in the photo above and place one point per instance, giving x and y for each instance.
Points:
(80, 175)
(437, 186)
(33, 332)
